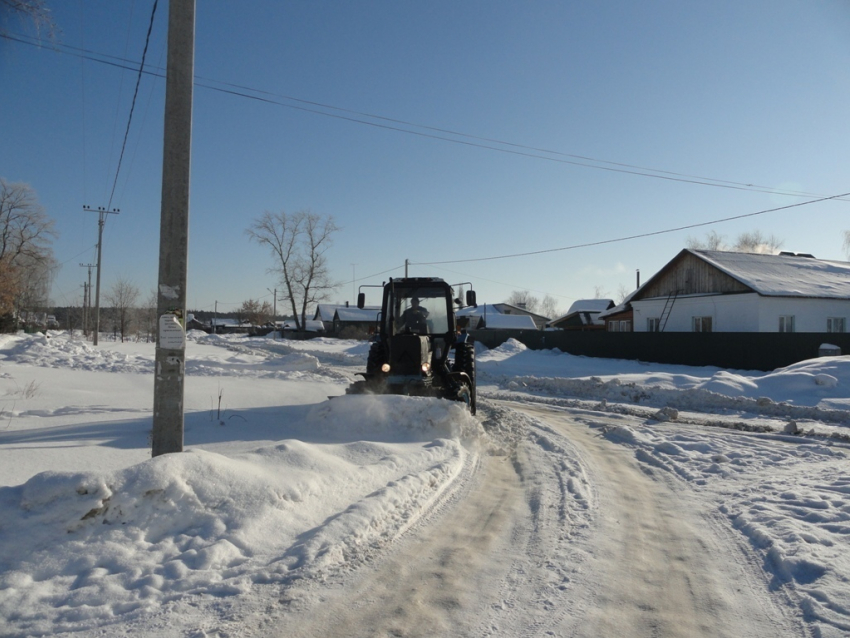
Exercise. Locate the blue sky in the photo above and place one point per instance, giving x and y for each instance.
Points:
(749, 92)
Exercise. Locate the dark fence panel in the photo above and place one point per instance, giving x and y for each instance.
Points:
(736, 350)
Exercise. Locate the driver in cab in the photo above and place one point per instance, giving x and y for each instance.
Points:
(414, 318)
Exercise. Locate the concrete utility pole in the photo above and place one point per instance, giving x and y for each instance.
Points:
(102, 213)
(170, 369)
(86, 300)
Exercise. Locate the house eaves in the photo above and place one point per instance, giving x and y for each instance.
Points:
(784, 275)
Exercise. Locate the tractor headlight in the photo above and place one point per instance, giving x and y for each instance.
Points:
(385, 368)
(426, 368)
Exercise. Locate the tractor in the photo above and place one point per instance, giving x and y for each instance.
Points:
(419, 349)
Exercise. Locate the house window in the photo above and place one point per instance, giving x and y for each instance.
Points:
(653, 324)
(701, 324)
(835, 324)
(613, 326)
(625, 326)
(786, 323)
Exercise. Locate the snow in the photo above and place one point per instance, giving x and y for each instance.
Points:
(496, 320)
(280, 486)
(784, 275)
(590, 305)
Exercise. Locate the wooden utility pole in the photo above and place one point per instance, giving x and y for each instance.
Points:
(170, 369)
(102, 213)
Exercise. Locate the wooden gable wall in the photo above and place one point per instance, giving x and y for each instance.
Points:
(690, 275)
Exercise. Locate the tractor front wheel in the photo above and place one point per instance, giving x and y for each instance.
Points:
(465, 362)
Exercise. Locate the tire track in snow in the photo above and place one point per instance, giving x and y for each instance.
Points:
(654, 566)
(433, 579)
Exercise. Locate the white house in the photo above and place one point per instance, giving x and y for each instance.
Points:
(716, 291)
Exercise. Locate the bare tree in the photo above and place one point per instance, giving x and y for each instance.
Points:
(33, 278)
(752, 242)
(712, 241)
(549, 307)
(523, 299)
(25, 229)
(256, 313)
(298, 242)
(756, 242)
(146, 317)
(26, 255)
(599, 292)
(34, 11)
(122, 297)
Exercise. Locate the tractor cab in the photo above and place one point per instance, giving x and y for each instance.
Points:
(418, 309)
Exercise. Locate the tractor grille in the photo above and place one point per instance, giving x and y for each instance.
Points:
(408, 353)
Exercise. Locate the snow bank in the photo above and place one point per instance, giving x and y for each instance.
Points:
(814, 389)
(79, 549)
(792, 502)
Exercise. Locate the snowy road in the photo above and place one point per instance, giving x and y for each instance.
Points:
(569, 537)
(435, 582)
(659, 566)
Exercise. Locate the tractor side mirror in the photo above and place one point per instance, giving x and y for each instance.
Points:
(361, 300)
(470, 298)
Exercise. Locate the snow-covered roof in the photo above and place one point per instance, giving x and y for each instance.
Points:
(509, 309)
(783, 275)
(310, 325)
(223, 321)
(478, 311)
(357, 314)
(582, 317)
(622, 307)
(590, 305)
(325, 311)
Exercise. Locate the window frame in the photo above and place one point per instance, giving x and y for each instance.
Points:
(702, 324)
(787, 323)
(831, 324)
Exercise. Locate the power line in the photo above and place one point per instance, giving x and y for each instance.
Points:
(630, 237)
(133, 103)
(502, 283)
(437, 133)
(78, 255)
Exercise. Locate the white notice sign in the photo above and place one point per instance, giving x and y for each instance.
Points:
(171, 333)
